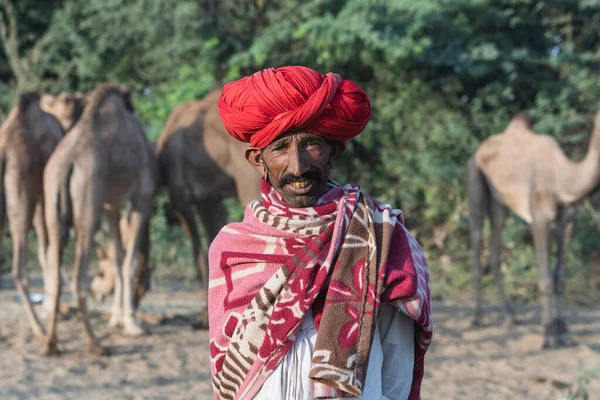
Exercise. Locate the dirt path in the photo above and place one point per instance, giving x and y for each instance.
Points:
(173, 362)
(497, 363)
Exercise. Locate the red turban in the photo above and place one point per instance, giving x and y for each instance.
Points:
(259, 108)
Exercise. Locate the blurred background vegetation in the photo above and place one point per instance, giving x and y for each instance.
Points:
(442, 75)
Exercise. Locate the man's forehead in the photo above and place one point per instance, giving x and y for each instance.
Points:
(300, 133)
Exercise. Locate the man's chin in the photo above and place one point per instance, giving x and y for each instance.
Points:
(298, 201)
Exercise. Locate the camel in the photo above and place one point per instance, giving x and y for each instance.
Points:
(67, 109)
(27, 138)
(529, 174)
(102, 164)
(201, 165)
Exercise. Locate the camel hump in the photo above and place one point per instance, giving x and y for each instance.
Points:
(96, 99)
(27, 99)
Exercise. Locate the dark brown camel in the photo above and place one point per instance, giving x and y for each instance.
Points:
(101, 165)
(27, 138)
(529, 174)
(201, 165)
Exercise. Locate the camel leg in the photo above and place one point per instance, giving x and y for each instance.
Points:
(143, 275)
(42, 238)
(87, 208)
(52, 287)
(57, 215)
(540, 232)
(82, 257)
(19, 238)
(21, 206)
(185, 214)
(497, 218)
(564, 234)
(2, 212)
(138, 216)
(478, 196)
(2, 220)
(116, 317)
(213, 215)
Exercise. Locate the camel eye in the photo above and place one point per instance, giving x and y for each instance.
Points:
(100, 274)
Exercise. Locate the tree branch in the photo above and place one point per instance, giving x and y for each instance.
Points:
(27, 69)
(10, 40)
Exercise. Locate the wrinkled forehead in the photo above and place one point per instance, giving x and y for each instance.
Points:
(295, 135)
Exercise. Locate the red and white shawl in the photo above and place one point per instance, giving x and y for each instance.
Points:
(339, 258)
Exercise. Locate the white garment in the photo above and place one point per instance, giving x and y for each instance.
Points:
(390, 371)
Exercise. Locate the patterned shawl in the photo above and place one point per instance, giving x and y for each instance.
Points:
(339, 258)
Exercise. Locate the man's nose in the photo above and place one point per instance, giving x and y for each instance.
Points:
(298, 161)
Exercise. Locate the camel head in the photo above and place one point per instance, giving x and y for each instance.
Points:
(103, 283)
(66, 107)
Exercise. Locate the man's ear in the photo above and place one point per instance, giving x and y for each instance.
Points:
(254, 158)
(337, 148)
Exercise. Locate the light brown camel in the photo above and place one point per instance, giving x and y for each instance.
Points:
(27, 138)
(201, 165)
(67, 109)
(102, 164)
(529, 174)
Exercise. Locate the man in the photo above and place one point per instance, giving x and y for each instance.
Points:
(320, 292)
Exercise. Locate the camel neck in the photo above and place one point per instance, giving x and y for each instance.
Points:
(577, 179)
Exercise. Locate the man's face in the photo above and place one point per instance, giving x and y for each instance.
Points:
(298, 165)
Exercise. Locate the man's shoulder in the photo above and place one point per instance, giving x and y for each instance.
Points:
(233, 228)
(380, 207)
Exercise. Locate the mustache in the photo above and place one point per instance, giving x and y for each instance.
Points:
(308, 176)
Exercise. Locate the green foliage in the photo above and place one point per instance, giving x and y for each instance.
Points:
(442, 76)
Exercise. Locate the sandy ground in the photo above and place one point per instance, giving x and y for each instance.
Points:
(172, 362)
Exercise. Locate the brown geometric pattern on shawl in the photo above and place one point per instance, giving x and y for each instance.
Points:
(352, 300)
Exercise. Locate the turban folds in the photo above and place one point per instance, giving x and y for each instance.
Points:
(260, 107)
